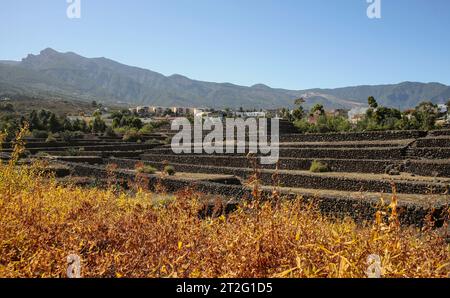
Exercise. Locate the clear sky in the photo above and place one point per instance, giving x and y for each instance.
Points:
(294, 44)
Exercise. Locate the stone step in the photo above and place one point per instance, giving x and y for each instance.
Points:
(331, 153)
(79, 159)
(100, 154)
(441, 141)
(433, 168)
(109, 147)
(354, 144)
(429, 153)
(441, 132)
(332, 181)
(361, 206)
(35, 145)
(355, 136)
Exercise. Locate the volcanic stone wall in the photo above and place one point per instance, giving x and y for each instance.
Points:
(307, 180)
(355, 136)
(337, 206)
(429, 153)
(330, 153)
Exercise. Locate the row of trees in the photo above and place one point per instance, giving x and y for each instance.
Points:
(44, 122)
(423, 116)
(125, 118)
(48, 121)
(377, 117)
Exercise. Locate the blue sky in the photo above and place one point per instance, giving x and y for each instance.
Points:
(294, 44)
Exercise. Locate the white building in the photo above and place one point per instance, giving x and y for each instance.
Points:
(442, 108)
(182, 110)
(142, 110)
(250, 114)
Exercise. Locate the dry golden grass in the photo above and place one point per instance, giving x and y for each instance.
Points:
(118, 234)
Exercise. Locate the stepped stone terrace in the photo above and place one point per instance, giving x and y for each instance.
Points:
(362, 168)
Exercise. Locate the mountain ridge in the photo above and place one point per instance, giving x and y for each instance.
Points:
(102, 79)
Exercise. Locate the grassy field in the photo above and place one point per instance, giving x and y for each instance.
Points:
(142, 234)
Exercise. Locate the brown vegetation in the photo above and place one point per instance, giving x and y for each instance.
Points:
(143, 234)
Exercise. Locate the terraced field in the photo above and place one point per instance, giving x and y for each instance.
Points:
(362, 169)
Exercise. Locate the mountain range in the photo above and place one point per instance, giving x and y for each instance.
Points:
(71, 76)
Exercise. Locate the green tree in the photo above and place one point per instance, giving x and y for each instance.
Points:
(136, 123)
(318, 108)
(34, 121)
(298, 112)
(67, 125)
(53, 123)
(299, 101)
(372, 102)
(84, 126)
(98, 125)
(426, 114)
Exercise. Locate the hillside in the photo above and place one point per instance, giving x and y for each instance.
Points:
(72, 76)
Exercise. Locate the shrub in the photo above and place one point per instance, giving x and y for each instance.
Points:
(121, 130)
(318, 167)
(132, 136)
(72, 152)
(303, 125)
(169, 170)
(146, 170)
(109, 132)
(160, 124)
(324, 124)
(68, 136)
(50, 139)
(39, 134)
(25, 154)
(97, 125)
(147, 128)
(41, 154)
(152, 141)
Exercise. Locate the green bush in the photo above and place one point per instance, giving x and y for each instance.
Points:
(25, 154)
(50, 139)
(303, 125)
(121, 130)
(169, 170)
(152, 141)
(161, 123)
(68, 136)
(132, 136)
(324, 124)
(146, 170)
(41, 154)
(318, 167)
(147, 128)
(73, 152)
(39, 134)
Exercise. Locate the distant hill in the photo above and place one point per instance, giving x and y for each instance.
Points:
(23, 105)
(71, 76)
